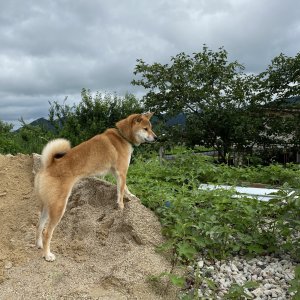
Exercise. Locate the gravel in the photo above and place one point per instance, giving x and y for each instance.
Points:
(272, 275)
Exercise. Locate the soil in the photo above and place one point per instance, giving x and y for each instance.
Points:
(101, 252)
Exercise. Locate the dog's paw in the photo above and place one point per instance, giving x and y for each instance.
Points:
(49, 257)
(121, 206)
(130, 194)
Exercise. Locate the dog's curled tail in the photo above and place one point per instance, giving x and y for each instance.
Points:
(54, 149)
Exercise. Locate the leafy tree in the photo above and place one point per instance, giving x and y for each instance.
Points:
(92, 115)
(279, 86)
(214, 94)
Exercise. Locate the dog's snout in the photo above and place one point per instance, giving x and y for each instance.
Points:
(154, 137)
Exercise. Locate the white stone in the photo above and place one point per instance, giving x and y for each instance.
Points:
(260, 263)
(274, 294)
(264, 274)
(257, 270)
(222, 281)
(257, 292)
(289, 277)
(268, 292)
(234, 267)
(268, 286)
(222, 268)
(200, 264)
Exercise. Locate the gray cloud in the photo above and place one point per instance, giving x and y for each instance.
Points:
(51, 49)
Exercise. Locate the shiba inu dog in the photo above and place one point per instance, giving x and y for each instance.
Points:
(63, 166)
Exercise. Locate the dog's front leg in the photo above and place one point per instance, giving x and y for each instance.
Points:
(121, 184)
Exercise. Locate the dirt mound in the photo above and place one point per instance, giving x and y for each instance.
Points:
(102, 253)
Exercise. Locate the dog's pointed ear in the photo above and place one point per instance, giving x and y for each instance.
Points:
(137, 118)
(148, 115)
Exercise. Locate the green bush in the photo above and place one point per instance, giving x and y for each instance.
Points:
(7, 141)
(9, 145)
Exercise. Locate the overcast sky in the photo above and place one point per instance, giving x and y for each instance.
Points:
(52, 49)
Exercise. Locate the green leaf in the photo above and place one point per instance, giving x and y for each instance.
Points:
(186, 250)
(177, 280)
(211, 284)
(251, 285)
(255, 248)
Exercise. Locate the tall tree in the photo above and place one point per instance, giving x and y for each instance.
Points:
(214, 94)
(279, 97)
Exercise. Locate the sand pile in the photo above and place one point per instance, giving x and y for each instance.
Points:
(101, 252)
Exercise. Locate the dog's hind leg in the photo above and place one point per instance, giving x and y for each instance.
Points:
(40, 227)
(55, 214)
(56, 210)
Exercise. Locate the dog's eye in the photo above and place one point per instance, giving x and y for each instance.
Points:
(146, 128)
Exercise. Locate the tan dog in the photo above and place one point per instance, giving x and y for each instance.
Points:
(62, 166)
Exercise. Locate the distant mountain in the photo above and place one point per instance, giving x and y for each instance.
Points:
(46, 124)
(179, 119)
(42, 122)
